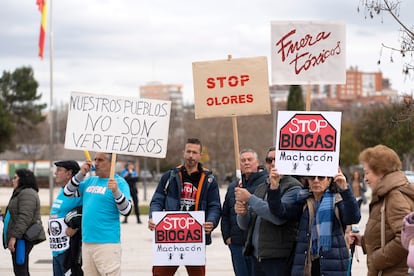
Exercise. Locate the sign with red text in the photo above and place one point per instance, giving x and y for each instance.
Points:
(131, 126)
(308, 52)
(232, 87)
(179, 238)
(307, 143)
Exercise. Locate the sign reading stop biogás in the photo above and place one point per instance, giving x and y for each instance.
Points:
(307, 143)
(179, 238)
(308, 132)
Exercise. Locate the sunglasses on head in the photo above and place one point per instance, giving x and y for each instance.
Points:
(269, 160)
(319, 178)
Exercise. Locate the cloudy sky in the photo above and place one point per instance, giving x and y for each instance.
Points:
(115, 46)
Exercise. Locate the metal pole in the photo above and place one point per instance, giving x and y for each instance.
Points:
(145, 179)
(51, 140)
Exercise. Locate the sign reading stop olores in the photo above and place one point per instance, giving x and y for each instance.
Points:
(236, 87)
(307, 143)
(178, 238)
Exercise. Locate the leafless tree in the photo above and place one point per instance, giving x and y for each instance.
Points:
(373, 8)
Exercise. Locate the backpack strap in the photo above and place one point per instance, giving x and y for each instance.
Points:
(167, 184)
(199, 188)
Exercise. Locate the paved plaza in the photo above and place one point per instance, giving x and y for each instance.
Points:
(137, 246)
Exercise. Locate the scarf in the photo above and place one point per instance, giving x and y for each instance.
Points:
(322, 224)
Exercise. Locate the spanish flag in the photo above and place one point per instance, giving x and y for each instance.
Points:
(43, 11)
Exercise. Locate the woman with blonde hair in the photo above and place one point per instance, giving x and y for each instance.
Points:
(392, 200)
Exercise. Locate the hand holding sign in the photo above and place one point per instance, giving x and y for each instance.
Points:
(88, 157)
(151, 225)
(208, 227)
(240, 208)
(113, 185)
(340, 180)
(86, 167)
(274, 179)
(242, 194)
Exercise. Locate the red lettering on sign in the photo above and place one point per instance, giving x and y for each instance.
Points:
(179, 228)
(307, 132)
(232, 81)
(228, 100)
(305, 59)
(181, 236)
(290, 47)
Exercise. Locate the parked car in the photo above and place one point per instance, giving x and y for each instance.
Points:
(410, 176)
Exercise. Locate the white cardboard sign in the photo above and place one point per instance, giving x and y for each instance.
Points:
(179, 238)
(308, 52)
(131, 126)
(234, 87)
(308, 142)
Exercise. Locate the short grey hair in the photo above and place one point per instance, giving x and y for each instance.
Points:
(250, 150)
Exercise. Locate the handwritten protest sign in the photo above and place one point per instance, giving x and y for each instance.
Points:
(232, 87)
(179, 238)
(304, 52)
(132, 126)
(307, 143)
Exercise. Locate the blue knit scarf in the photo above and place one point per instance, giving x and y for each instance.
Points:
(322, 224)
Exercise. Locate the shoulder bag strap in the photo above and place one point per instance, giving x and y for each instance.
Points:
(382, 229)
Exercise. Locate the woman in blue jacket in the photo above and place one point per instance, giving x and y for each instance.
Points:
(323, 210)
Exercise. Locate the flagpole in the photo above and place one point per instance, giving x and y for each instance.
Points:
(51, 114)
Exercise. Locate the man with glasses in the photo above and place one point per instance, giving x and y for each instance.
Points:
(103, 199)
(233, 236)
(270, 239)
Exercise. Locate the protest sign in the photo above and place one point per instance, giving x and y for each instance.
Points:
(307, 143)
(131, 126)
(179, 238)
(308, 52)
(233, 87)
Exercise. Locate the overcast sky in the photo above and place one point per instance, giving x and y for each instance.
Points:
(115, 46)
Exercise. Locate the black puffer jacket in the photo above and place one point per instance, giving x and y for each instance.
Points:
(24, 209)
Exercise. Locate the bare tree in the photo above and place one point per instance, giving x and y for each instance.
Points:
(373, 8)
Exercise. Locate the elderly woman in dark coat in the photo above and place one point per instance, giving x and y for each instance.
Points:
(323, 210)
(22, 212)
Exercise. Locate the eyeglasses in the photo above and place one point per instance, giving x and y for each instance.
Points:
(269, 160)
(319, 178)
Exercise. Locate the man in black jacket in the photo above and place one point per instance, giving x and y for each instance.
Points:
(233, 236)
(270, 240)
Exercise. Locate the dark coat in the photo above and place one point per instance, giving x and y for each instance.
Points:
(24, 208)
(274, 241)
(168, 194)
(333, 262)
(229, 227)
